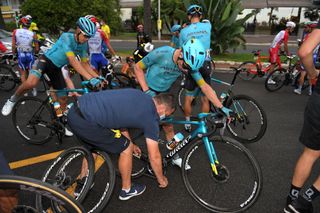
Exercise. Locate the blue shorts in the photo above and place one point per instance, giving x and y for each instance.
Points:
(98, 60)
(25, 60)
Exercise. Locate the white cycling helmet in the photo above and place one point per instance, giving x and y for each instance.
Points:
(148, 47)
(291, 24)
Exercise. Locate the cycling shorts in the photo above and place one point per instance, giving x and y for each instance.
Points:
(205, 71)
(98, 60)
(25, 60)
(95, 136)
(52, 73)
(310, 134)
(274, 56)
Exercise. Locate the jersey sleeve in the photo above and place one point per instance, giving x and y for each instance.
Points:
(66, 47)
(151, 129)
(149, 59)
(286, 37)
(196, 75)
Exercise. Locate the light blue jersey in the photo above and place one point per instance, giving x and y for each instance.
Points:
(162, 72)
(175, 43)
(199, 30)
(66, 46)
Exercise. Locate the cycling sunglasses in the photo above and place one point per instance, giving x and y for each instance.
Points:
(184, 64)
(196, 10)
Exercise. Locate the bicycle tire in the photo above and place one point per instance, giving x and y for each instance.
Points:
(121, 80)
(275, 80)
(250, 70)
(229, 191)
(64, 172)
(29, 115)
(7, 78)
(30, 185)
(104, 183)
(249, 113)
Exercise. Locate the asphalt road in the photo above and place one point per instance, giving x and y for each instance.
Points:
(276, 152)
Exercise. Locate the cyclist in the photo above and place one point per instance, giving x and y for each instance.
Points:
(97, 115)
(309, 26)
(309, 137)
(142, 37)
(97, 59)
(23, 41)
(164, 65)
(105, 28)
(200, 30)
(281, 37)
(175, 31)
(63, 52)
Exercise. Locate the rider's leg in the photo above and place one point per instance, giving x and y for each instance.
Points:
(125, 167)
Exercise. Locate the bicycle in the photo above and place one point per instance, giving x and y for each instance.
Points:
(98, 183)
(36, 120)
(9, 74)
(25, 190)
(252, 69)
(280, 77)
(224, 175)
(250, 123)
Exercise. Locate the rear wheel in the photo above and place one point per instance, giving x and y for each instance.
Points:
(250, 122)
(238, 183)
(275, 80)
(7, 78)
(249, 70)
(64, 173)
(32, 118)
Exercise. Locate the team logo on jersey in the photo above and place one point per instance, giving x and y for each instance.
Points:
(117, 133)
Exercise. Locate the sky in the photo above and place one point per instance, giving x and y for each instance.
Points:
(282, 12)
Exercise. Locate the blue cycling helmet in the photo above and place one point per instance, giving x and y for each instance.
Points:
(194, 9)
(194, 53)
(87, 27)
(175, 28)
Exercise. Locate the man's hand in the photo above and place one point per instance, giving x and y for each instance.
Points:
(163, 183)
(226, 111)
(95, 82)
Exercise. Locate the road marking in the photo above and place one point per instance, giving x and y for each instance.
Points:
(34, 160)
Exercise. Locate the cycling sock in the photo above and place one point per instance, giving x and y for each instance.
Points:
(299, 87)
(294, 192)
(311, 193)
(126, 190)
(14, 98)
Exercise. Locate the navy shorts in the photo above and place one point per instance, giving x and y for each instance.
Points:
(95, 136)
(310, 134)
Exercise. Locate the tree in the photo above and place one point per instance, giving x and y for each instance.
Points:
(147, 15)
(61, 15)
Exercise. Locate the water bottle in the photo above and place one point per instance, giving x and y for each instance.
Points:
(67, 109)
(222, 97)
(175, 141)
(57, 109)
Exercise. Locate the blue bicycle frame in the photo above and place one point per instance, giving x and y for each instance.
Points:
(200, 132)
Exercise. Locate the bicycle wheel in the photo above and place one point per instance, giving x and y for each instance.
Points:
(121, 80)
(23, 192)
(250, 70)
(7, 78)
(239, 180)
(104, 181)
(181, 100)
(250, 122)
(275, 80)
(64, 173)
(32, 118)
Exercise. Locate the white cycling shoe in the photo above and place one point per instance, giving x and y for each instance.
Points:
(7, 108)
(67, 132)
(178, 162)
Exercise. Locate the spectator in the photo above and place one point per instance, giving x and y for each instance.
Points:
(105, 28)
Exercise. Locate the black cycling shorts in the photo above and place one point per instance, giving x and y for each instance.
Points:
(310, 134)
(205, 71)
(95, 136)
(52, 74)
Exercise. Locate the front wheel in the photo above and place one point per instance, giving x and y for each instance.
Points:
(32, 118)
(249, 70)
(238, 181)
(275, 80)
(250, 122)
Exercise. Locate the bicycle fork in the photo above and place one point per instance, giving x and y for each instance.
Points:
(211, 154)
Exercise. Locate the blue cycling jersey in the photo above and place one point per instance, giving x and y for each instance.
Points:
(175, 42)
(66, 46)
(199, 30)
(161, 69)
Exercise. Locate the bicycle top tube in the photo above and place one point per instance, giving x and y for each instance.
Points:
(200, 116)
(83, 90)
